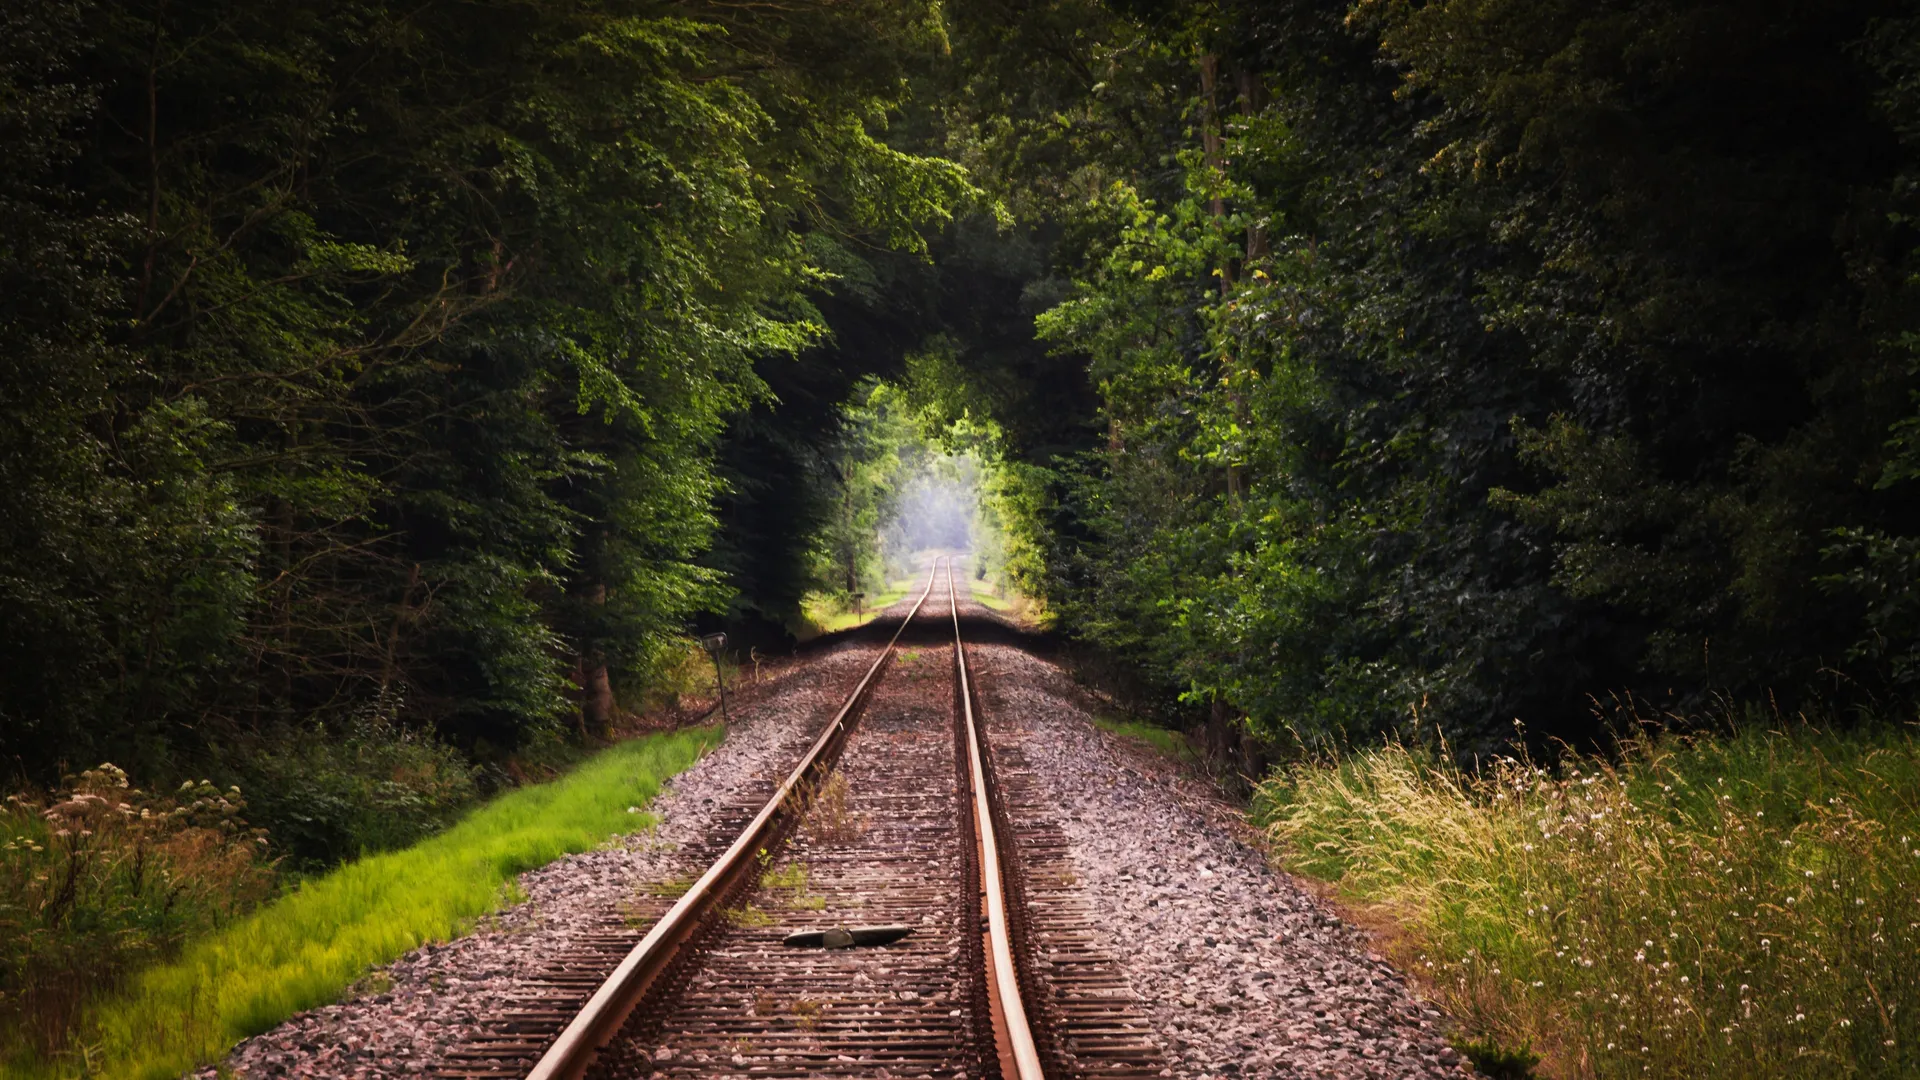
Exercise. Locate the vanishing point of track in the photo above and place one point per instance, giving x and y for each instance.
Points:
(904, 825)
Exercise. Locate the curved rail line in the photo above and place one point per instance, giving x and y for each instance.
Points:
(607, 1010)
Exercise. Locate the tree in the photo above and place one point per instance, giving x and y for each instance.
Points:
(398, 344)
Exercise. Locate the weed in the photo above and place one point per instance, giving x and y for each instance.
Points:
(1743, 906)
(306, 947)
(327, 798)
(985, 596)
(1496, 1062)
(806, 1013)
(1171, 743)
(830, 817)
(748, 916)
(791, 876)
(825, 613)
(371, 984)
(793, 879)
(105, 877)
(678, 673)
(672, 888)
(765, 1004)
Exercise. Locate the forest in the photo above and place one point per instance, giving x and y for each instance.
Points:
(391, 394)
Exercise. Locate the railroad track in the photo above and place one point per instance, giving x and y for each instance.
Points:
(894, 817)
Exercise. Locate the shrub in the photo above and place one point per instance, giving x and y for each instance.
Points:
(104, 877)
(677, 672)
(1747, 906)
(327, 798)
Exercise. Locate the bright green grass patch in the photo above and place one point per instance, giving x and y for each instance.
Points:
(1169, 742)
(990, 598)
(305, 948)
(824, 614)
(1709, 907)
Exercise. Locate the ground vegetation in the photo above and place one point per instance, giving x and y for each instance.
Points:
(374, 381)
(369, 365)
(1502, 415)
(1733, 905)
(1530, 389)
(241, 972)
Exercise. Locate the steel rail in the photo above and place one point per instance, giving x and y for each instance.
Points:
(604, 1013)
(1012, 1018)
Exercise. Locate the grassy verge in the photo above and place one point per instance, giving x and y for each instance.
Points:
(822, 614)
(305, 948)
(1167, 741)
(1002, 598)
(988, 596)
(1710, 907)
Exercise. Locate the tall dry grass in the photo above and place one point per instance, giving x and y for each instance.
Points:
(1745, 906)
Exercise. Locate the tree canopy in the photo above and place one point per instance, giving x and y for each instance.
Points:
(1348, 367)
(1461, 363)
(365, 358)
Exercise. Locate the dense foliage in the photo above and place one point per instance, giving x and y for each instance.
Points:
(386, 391)
(365, 364)
(1466, 362)
(309, 946)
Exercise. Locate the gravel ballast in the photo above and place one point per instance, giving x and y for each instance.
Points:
(406, 1016)
(1241, 971)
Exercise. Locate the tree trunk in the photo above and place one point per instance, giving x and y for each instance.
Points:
(1253, 98)
(596, 688)
(1211, 143)
(1223, 745)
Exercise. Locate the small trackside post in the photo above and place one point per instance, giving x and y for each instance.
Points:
(713, 643)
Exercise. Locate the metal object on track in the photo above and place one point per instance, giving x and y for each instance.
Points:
(608, 1008)
(846, 937)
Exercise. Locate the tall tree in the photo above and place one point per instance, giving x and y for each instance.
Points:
(1467, 362)
(403, 339)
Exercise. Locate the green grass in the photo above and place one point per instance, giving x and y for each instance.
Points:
(990, 598)
(795, 881)
(1707, 907)
(823, 615)
(1167, 741)
(307, 947)
(749, 917)
(1002, 598)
